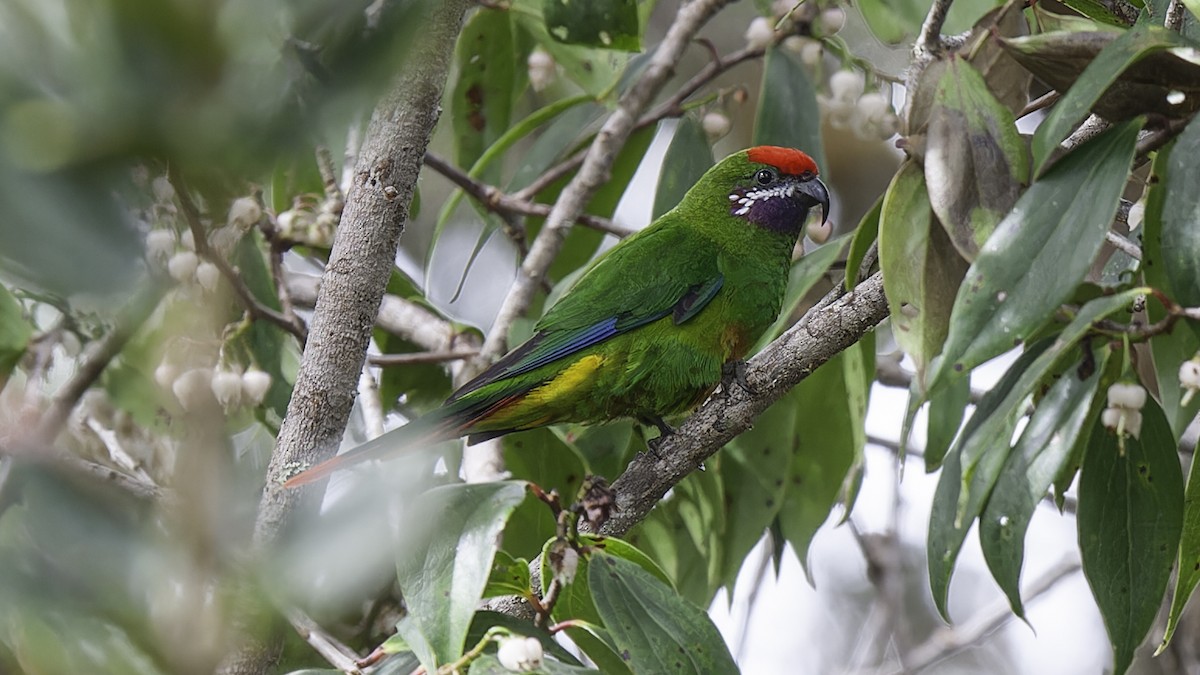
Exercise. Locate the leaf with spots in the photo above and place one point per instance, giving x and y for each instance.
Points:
(1189, 552)
(595, 71)
(920, 267)
(1038, 254)
(481, 101)
(946, 410)
(654, 629)
(975, 160)
(1180, 215)
(444, 563)
(608, 24)
(827, 443)
(1044, 447)
(1130, 518)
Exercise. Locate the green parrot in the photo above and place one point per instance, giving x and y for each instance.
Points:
(650, 329)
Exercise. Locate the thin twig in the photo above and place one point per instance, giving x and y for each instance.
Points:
(441, 356)
(946, 642)
(1044, 101)
(328, 176)
(257, 309)
(495, 200)
(594, 171)
(1124, 244)
(330, 648)
(371, 402)
(929, 40)
(275, 256)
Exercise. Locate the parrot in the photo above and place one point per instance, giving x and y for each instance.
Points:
(652, 326)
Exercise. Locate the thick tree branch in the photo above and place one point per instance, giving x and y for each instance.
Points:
(352, 288)
(595, 170)
(826, 330)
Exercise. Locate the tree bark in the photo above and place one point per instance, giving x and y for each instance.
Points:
(352, 288)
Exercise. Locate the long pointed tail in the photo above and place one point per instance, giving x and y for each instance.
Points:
(425, 429)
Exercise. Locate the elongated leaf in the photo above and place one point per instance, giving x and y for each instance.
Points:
(655, 630)
(921, 269)
(685, 533)
(688, 157)
(1005, 78)
(1130, 518)
(1100, 74)
(610, 24)
(482, 98)
(1189, 554)
(946, 410)
(827, 443)
(444, 568)
(1044, 447)
(975, 160)
(14, 334)
(865, 234)
(1038, 254)
(1180, 218)
(787, 112)
(596, 71)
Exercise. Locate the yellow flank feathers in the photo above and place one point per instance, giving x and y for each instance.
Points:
(572, 378)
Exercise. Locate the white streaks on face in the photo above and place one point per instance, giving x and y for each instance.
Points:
(747, 200)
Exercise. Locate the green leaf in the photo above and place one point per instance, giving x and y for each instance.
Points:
(490, 665)
(1006, 79)
(540, 457)
(1130, 518)
(688, 157)
(1189, 554)
(865, 234)
(1039, 455)
(610, 24)
(787, 112)
(423, 385)
(827, 443)
(975, 160)
(1038, 254)
(654, 629)
(595, 71)
(1180, 215)
(920, 267)
(805, 274)
(510, 576)
(481, 100)
(946, 409)
(1099, 75)
(14, 334)
(444, 564)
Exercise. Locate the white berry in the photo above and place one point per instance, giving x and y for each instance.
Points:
(160, 244)
(244, 212)
(716, 125)
(830, 21)
(1128, 396)
(227, 388)
(192, 388)
(520, 654)
(166, 374)
(255, 384)
(1189, 375)
(163, 190)
(182, 266)
(847, 85)
(207, 275)
(760, 33)
(1137, 215)
(541, 69)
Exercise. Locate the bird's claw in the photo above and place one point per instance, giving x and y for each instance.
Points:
(664, 430)
(735, 371)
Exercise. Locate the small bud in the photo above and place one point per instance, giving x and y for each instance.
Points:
(227, 388)
(182, 266)
(1110, 418)
(224, 240)
(165, 374)
(244, 212)
(820, 232)
(795, 44)
(163, 190)
(255, 385)
(847, 85)
(716, 125)
(838, 111)
(1189, 375)
(874, 105)
(760, 33)
(813, 53)
(188, 240)
(285, 224)
(207, 275)
(1133, 423)
(782, 8)
(830, 21)
(160, 244)
(192, 388)
(542, 70)
(1126, 395)
(520, 654)
(568, 567)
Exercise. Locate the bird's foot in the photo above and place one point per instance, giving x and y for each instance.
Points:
(664, 430)
(735, 371)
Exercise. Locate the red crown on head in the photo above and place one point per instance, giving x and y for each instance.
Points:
(787, 160)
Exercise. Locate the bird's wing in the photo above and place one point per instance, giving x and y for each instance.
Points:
(665, 271)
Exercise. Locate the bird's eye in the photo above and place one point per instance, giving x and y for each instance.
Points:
(764, 177)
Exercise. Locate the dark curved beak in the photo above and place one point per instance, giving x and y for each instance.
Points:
(816, 191)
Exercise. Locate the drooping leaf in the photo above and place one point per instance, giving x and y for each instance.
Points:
(444, 564)
(827, 443)
(1006, 79)
(975, 160)
(787, 112)
(1130, 518)
(865, 234)
(685, 535)
(481, 100)
(654, 629)
(14, 333)
(1180, 216)
(1105, 56)
(946, 410)
(1039, 455)
(921, 269)
(688, 156)
(610, 24)
(1038, 254)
